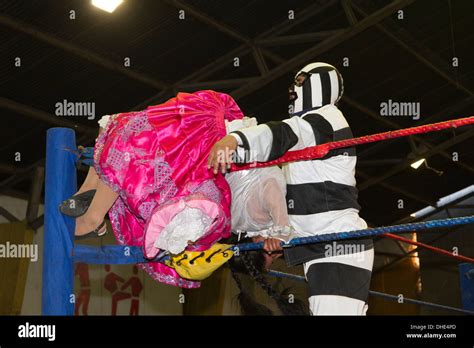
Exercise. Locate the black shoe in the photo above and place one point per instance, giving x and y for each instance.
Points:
(96, 233)
(78, 204)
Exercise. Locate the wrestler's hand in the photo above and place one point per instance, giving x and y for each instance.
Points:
(272, 250)
(270, 245)
(221, 154)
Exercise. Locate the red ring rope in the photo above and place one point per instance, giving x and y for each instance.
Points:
(319, 151)
(429, 247)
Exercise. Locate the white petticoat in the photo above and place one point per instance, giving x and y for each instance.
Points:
(188, 225)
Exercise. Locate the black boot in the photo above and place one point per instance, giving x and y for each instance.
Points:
(78, 204)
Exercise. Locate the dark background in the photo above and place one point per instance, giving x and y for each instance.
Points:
(407, 60)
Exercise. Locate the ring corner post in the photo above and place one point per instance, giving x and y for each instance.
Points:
(60, 183)
(466, 277)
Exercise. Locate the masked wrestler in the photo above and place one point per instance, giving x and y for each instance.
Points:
(321, 193)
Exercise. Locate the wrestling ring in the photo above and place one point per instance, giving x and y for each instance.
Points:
(60, 251)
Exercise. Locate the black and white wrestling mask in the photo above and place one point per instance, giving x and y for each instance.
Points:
(314, 86)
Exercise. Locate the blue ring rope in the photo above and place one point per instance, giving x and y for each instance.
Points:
(380, 294)
(369, 232)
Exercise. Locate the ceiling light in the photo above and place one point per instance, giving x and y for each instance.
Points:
(107, 5)
(417, 164)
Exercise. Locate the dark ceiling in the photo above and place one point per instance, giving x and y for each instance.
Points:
(408, 60)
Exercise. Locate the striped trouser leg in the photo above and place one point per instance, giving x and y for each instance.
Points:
(339, 285)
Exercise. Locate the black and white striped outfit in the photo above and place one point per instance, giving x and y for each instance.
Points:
(321, 194)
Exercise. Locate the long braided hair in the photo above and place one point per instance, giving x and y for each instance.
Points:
(251, 263)
(247, 304)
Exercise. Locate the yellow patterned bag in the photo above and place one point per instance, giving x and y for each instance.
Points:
(198, 265)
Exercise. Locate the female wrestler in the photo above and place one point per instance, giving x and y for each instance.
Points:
(150, 172)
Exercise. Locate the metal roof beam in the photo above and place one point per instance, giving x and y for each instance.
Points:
(218, 64)
(43, 116)
(78, 51)
(297, 38)
(446, 111)
(347, 7)
(394, 125)
(324, 46)
(430, 59)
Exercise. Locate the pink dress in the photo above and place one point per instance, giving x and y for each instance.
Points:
(156, 160)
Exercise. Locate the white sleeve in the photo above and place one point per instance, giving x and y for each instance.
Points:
(103, 121)
(303, 131)
(272, 140)
(255, 143)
